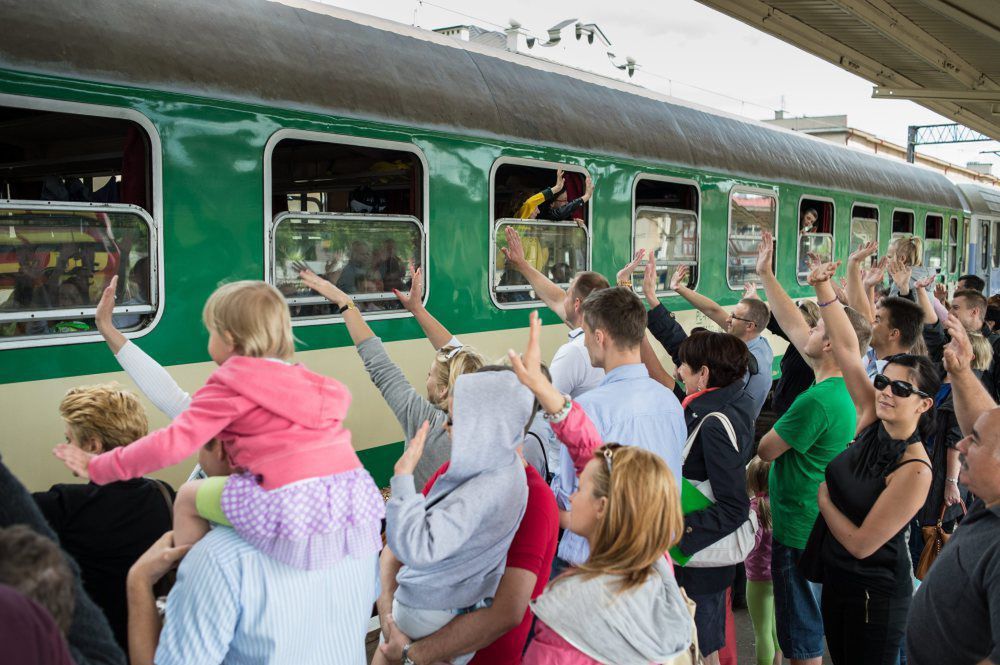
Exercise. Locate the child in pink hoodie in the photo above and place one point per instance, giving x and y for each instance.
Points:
(302, 495)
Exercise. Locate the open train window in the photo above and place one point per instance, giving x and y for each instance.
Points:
(902, 223)
(864, 225)
(816, 220)
(353, 212)
(665, 223)
(952, 244)
(751, 212)
(550, 216)
(934, 242)
(76, 204)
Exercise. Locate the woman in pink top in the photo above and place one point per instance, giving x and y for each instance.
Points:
(622, 605)
(302, 495)
(760, 591)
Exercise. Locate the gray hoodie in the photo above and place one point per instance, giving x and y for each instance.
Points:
(410, 408)
(453, 543)
(648, 624)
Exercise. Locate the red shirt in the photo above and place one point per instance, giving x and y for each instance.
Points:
(532, 549)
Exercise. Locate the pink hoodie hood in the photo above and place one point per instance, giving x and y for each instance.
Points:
(288, 391)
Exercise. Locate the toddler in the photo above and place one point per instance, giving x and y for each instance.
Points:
(760, 591)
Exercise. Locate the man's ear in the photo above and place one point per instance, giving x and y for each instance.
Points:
(92, 445)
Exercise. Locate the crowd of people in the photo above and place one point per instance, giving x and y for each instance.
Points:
(595, 509)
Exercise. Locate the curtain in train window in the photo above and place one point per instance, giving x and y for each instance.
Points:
(816, 220)
(55, 264)
(750, 214)
(363, 256)
(952, 244)
(671, 239)
(558, 250)
(864, 226)
(934, 242)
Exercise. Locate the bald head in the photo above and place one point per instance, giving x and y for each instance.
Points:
(980, 457)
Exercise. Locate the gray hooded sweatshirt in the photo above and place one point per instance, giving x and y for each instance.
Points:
(648, 624)
(453, 543)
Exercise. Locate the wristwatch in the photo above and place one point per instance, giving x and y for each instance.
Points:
(349, 305)
(406, 655)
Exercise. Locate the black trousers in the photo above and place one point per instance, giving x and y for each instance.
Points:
(863, 626)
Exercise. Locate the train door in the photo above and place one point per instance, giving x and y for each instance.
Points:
(993, 282)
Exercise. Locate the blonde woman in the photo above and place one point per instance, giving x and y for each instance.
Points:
(622, 605)
(105, 528)
(409, 406)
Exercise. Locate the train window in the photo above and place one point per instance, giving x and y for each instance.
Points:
(666, 224)
(934, 242)
(864, 225)
(996, 245)
(902, 223)
(750, 214)
(57, 260)
(816, 218)
(984, 245)
(352, 212)
(76, 204)
(553, 226)
(953, 244)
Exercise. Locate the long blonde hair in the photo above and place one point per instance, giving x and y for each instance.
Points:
(643, 518)
(909, 250)
(450, 363)
(255, 315)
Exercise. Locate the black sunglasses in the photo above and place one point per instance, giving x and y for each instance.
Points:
(899, 388)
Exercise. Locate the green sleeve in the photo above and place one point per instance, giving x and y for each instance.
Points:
(803, 423)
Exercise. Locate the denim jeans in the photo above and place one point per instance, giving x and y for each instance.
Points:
(796, 605)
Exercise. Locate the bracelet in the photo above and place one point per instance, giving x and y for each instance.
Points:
(951, 480)
(406, 655)
(825, 304)
(349, 305)
(561, 414)
(625, 282)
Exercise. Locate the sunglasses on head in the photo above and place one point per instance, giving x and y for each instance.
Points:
(899, 388)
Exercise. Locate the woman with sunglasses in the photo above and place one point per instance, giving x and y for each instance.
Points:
(872, 491)
(623, 604)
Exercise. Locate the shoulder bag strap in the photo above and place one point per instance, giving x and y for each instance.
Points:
(726, 424)
(166, 496)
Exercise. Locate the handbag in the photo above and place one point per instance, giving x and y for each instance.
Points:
(733, 548)
(934, 539)
(691, 655)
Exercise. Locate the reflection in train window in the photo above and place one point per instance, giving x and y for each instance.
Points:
(558, 250)
(351, 213)
(665, 224)
(864, 226)
(750, 214)
(56, 262)
(934, 242)
(816, 220)
(952, 244)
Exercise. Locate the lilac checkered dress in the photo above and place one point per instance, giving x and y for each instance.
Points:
(309, 524)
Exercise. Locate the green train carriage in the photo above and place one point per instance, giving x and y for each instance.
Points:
(301, 132)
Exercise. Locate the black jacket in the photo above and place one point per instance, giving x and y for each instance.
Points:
(89, 638)
(947, 434)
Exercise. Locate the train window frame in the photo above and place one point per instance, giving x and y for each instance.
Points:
(153, 217)
(495, 222)
(913, 224)
(687, 182)
(803, 277)
(985, 224)
(760, 191)
(940, 239)
(270, 220)
(854, 219)
(952, 244)
(995, 262)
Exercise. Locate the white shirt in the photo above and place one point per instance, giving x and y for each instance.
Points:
(572, 373)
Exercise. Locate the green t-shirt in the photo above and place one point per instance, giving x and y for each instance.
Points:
(818, 426)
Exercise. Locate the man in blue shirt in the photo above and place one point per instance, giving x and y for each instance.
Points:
(748, 319)
(627, 407)
(234, 604)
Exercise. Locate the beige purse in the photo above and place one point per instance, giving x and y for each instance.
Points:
(692, 656)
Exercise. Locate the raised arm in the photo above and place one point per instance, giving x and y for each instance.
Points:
(844, 341)
(357, 327)
(901, 274)
(930, 315)
(551, 293)
(783, 308)
(104, 315)
(971, 397)
(656, 370)
(703, 304)
(413, 302)
(857, 294)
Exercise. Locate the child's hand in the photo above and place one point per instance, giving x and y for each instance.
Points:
(75, 459)
(408, 460)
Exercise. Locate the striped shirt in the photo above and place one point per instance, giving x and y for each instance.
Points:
(233, 604)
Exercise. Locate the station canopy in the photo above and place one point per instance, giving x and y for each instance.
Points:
(942, 54)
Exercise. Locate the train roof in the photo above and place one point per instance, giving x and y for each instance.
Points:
(981, 200)
(304, 55)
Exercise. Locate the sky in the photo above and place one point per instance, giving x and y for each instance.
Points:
(695, 53)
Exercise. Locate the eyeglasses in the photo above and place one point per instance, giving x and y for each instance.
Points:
(740, 318)
(899, 388)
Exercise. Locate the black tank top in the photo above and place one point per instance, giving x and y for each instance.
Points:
(855, 480)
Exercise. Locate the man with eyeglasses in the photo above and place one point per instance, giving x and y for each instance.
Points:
(747, 320)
